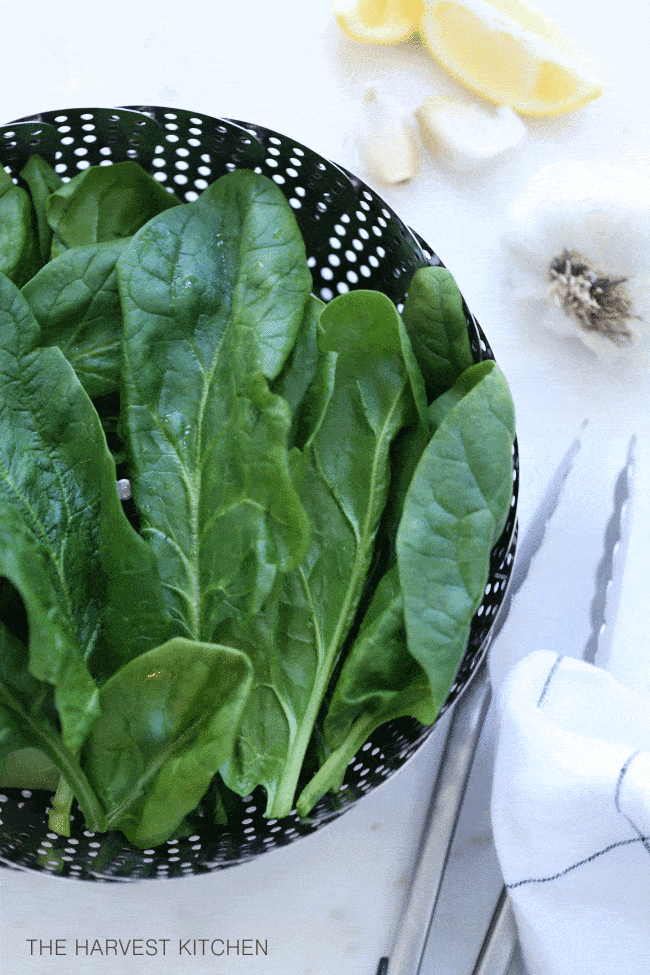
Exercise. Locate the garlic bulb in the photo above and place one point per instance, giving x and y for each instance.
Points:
(387, 139)
(578, 243)
(464, 136)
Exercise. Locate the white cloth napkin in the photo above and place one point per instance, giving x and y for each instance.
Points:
(571, 816)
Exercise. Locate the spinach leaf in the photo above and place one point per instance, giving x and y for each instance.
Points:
(41, 180)
(104, 203)
(435, 325)
(206, 290)
(75, 300)
(28, 716)
(57, 480)
(18, 245)
(264, 277)
(454, 511)
(379, 681)
(28, 768)
(416, 628)
(406, 451)
(358, 401)
(55, 654)
(168, 722)
(434, 316)
(416, 378)
(18, 685)
(300, 368)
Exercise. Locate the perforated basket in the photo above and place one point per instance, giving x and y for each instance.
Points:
(353, 240)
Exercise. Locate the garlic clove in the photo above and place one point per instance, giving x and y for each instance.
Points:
(464, 136)
(390, 153)
(387, 140)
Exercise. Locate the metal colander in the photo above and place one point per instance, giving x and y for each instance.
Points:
(353, 240)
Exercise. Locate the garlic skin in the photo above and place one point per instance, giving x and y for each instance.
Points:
(577, 240)
(463, 136)
(387, 140)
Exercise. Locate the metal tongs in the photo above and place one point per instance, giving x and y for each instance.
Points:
(465, 727)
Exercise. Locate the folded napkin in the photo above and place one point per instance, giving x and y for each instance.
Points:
(571, 816)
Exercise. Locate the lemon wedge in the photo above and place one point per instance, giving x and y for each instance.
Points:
(509, 53)
(378, 21)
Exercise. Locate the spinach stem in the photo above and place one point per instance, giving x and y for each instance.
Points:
(59, 818)
(331, 773)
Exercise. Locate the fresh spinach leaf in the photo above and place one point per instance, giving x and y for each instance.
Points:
(104, 203)
(379, 681)
(18, 244)
(76, 301)
(28, 768)
(406, 452)
(55, 654)
(168, 722)
(300, 368)
(436, 336)
(454, 511)
(41, 180)
(434, 316)
(264, 278)
(57, 479)
(18, 685)
(358, 401)
(415, 631)
(416, 378)
(205, 290)
(28, 714)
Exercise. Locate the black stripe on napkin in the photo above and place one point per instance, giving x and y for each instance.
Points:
(581, 863)
(617, 796)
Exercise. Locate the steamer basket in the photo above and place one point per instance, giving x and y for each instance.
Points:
(354, 240)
